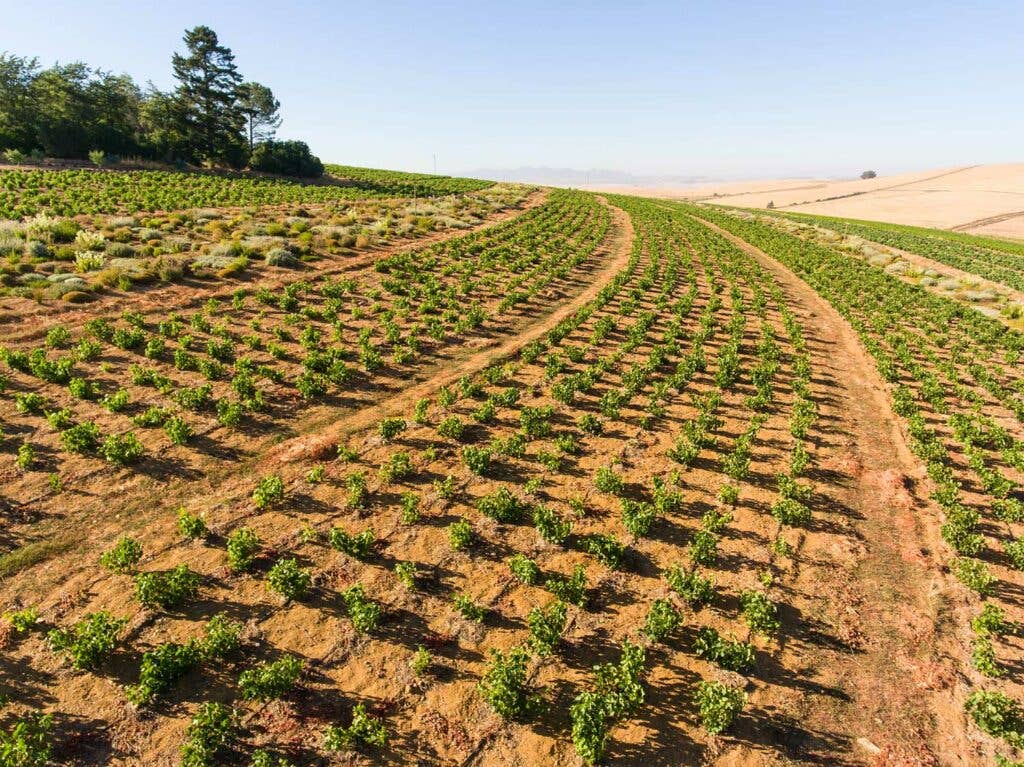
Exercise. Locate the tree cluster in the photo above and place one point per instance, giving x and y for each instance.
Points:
(212, 117)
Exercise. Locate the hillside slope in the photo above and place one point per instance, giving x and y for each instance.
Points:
(980, 199)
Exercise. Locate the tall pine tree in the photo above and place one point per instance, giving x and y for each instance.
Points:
(260, 108)
(207, 97)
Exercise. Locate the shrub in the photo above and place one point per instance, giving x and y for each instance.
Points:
(83, 389)
(460, 535)
(991, 620)
(605, 549)
(161, 669)
(223, 637)
(1015, 553)
(168, 590)
(729, 494)
(477, 459)
(30, 403)
(445, 488)
(61, 419)
(287, 158)
(637, 517)
(229, 413)
(263, 758)
(732, 655)
(357, 490)
(703, 548)
(358, 546)
(118, 401)
(608, 481)
(269, 492)
(504, 685)
(365, 730)
(535, 422)
(983, 657)
(269, 681)
(590, 424)
(694, 589)
(410, 508)
(243, 545)
(469, 609)
(420, 411)
(398, 466)
(281, 257)
(122, 449)
(524, 569)
(26, 456)
(718, 705)
(390, 428)
(58, 337)
(362, 611)
(662, 620)
(572, 589)
(618, 693)
(790, 511)
(759, 612)
(546, 627)
(82, 439)
(123, 557)
(420, 661)
(997, 714)
(90, 641)
(22, 620)
(715, 520)
(975, 575)
(207, 733)
(152, 417)
(501, 505)
(551, 527)
(178, 430)
(288, 579)
(406, 574)
(590, 725)
(191, 526)
(28, 742)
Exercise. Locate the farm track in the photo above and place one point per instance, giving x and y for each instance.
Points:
(614, 254)
(877, 577)
(193, 293)
(981, 222)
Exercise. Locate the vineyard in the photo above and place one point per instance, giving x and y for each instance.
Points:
(408, 469)
(30, 191)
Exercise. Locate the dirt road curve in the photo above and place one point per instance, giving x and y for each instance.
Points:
(615, 253)
(871, 571)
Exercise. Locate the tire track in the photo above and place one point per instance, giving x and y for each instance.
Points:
(977, 223)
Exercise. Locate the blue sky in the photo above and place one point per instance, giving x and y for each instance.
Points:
(726, 89)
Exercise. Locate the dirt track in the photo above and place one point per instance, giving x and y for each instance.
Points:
(874, 575)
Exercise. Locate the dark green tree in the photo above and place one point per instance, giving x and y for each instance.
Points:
(260, 108)
(208, 84)
(18, 107)
(163, 126)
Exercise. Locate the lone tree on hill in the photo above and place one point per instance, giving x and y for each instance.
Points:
(260, 108)
(207, 94)
(868, 174)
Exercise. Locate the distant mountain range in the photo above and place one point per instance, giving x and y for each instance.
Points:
(574, 177)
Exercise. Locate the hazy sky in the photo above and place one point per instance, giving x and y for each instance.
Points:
(720, 88)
